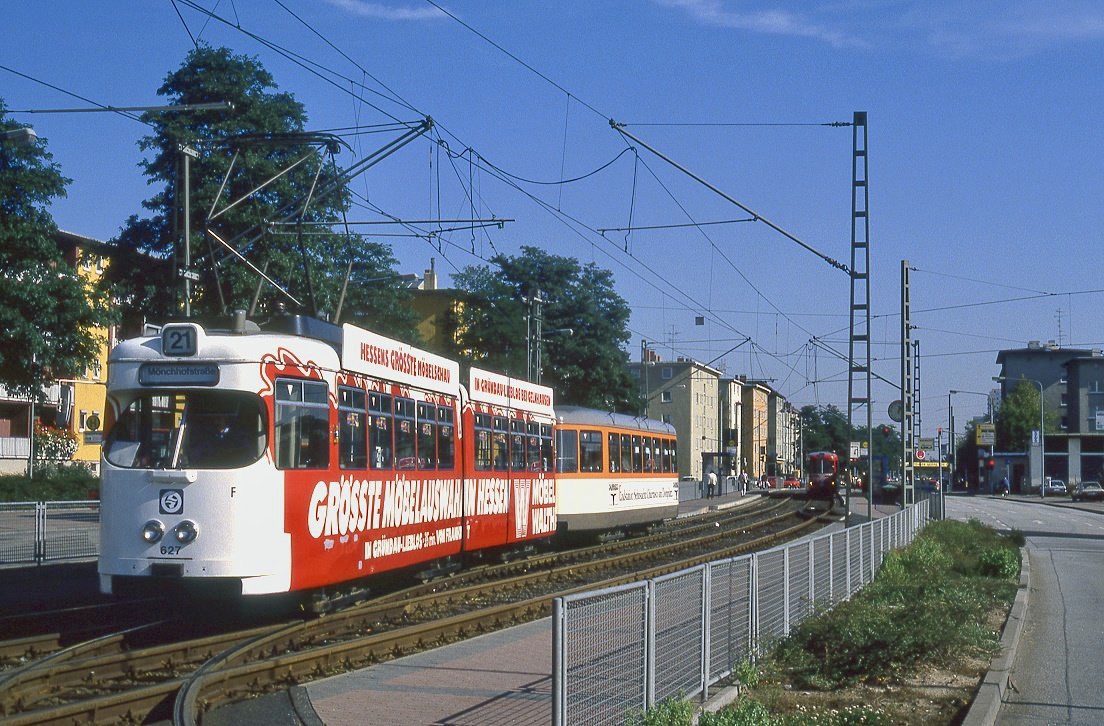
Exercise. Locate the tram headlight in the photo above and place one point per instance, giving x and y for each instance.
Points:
(153, 531)
(186, 531)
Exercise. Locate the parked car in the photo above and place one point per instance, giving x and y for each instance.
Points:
(1088, 491)
(1053, 487)
(929, 486)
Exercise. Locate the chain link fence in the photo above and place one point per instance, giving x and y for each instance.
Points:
(38, 532)
(624, 649)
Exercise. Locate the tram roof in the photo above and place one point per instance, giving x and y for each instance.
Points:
(593, 417)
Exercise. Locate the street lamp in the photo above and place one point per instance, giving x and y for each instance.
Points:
(25, 135)
(1042, 433)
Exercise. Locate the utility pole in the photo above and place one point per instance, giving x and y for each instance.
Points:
(533, 334)
(188, 153)
(908, 433)
(859, 369)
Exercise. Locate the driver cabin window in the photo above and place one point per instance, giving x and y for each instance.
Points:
(302, 424)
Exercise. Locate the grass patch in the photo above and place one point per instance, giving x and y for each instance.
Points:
(908, 648)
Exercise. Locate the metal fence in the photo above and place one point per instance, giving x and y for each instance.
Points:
(37, 532)
(624, 649)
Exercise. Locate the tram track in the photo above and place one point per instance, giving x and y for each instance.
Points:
(111, 680)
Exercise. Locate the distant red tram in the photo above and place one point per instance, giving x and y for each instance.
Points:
(823, 467)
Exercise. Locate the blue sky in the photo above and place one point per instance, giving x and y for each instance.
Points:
(985, 143)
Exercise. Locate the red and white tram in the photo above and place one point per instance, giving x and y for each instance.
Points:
(823, 468)
(613, 470)
(308, 455)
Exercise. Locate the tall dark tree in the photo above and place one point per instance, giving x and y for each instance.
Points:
(259, 138)
(824, 428)
(587, 367)
(47, 312)
(1019, 416)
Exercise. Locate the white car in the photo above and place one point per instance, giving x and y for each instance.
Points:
(1052, 488)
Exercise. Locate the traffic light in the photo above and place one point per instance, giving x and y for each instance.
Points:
(885, 431)
(990, 464)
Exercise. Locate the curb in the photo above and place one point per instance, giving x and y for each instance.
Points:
(1042, 502)
(990, 694)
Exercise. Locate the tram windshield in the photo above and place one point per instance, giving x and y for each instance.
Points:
(822, 465)
(188, 430)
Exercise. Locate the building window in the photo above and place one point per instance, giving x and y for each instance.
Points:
(1064, 402)
(666, 373)
(1065, 423)
(81, 420)
(666, 418)
(665, 397)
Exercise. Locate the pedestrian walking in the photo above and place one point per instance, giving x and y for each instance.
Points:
(712, 478)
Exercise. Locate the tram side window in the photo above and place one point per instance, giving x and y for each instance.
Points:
(674, 458)
(404, 433)
(637, 455)
(614, 453)
(567, 451)
(381, 446)
(532, 446)
(646, 453)
(302, 424)
(656, 458)
(546, 456)
(501, 444)
(517, 445)
(626, 454)
(590, 451)
(666, 444)
(352, 432)
(446, 438)
(427, 436)
(482, 442)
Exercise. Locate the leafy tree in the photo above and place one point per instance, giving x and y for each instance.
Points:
(1019, 416)
(261, 137)
(588, 367)
(47, 313)
(825, 429)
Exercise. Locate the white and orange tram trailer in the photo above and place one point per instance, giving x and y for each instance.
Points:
(309, 455)
(613, 471)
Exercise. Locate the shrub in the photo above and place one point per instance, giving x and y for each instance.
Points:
(671, 712)
(1001, 562)
(65, 482)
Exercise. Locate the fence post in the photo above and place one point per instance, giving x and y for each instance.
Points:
(707, 615)
(559, 677)
(40, 533)
(649, 645)
(753, 604)
(812, 575)
(786, 591)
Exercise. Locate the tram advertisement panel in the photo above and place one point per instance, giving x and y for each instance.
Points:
(509, 462)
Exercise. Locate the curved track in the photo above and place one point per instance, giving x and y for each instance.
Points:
(157, 671)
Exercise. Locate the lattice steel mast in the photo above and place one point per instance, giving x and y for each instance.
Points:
(859, 373)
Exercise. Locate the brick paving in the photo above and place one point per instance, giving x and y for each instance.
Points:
(498, 678)
(503, 677)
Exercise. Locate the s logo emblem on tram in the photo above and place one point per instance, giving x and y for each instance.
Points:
(172, 501)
